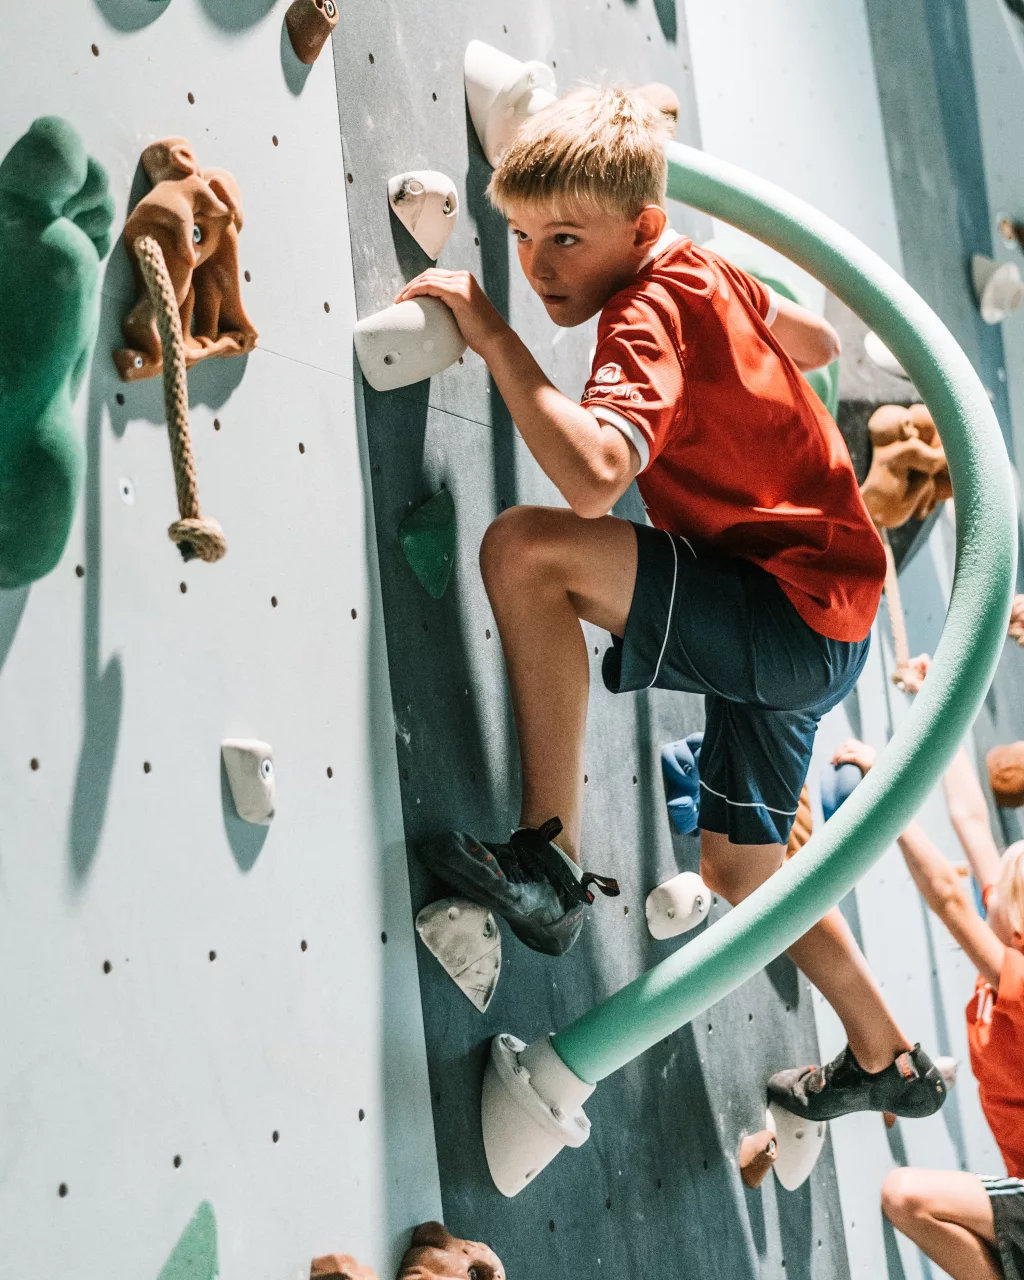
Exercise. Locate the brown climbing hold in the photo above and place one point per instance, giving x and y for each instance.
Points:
(339, 1266)
(757, 1155)
(1006, 775)
(1016, 629)
(665, 100)
(310, 23)
(435, 1254)
(908, 476)
(890, 1118)
(194, 215)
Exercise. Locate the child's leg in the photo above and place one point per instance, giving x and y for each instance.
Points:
(545, 569)
(948, 1216)
(828, 954)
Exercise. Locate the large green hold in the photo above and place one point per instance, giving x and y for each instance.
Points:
(194, 1257)
(55, 216)
(427, 536)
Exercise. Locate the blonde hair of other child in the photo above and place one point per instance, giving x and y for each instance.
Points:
(1011, 884)
(591, 149)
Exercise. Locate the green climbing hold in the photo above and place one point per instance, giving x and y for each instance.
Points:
(427, 536)
(55, 216)
(194, 1257)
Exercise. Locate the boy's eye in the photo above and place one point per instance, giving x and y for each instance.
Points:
(564, 240)
(521, 236)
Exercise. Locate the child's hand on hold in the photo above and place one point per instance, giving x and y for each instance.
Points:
(1017, 620)
(853, 751)
(910, 676)
(478, 319)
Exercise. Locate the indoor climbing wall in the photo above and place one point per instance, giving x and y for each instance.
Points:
(212, 1060)
(655, 1191)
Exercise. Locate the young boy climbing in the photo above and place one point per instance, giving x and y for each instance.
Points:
(756, 586)
(972, 1227)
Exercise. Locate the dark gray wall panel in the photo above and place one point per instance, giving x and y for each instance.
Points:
(655, 1192)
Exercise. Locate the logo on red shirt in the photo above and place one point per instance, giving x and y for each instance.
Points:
(608, 373)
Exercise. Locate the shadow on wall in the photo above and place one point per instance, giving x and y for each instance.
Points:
(101, 685)
(130, 15)
(667, 19)
(194, 1257)
(236, 15)
(296, 73)
(245, 838)
(12, 606)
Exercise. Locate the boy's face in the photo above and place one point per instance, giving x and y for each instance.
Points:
(575, 260)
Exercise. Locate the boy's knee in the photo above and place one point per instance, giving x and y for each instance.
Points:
(516, 546)
(901, 1197)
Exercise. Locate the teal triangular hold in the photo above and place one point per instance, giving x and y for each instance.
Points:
(427, 536)
(194, 1257)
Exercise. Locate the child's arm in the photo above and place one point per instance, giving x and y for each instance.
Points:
(591, 463)
(969, 814)
(809, 340)
(946, 894)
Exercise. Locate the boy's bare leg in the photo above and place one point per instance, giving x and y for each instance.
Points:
(545, 569)
(828, 954)
(948, 1215)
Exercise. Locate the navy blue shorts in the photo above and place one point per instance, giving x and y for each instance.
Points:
(705, 623)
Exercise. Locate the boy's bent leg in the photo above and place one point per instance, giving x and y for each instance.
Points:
(948, 1215)
(827, 954)
(544, 570)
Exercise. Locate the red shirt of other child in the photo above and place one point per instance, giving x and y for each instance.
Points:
(995, 1033)
(736, 450)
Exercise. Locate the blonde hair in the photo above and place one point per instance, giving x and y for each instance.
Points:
(591, 149)
(1011, 884)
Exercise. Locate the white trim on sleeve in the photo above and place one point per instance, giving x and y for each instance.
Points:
(629, 429)
(773, 307)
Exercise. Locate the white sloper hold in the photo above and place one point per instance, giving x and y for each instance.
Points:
(799, 1145)
(502, 92)
(678, 905)
(427, 205)
(407, 342)
(249, 765)
(997, 286)
(465, 940)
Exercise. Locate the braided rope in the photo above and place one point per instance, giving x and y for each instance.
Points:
(194, 534)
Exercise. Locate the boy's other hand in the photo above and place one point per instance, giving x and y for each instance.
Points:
(853, 751)
(910, 676)
(478, 319)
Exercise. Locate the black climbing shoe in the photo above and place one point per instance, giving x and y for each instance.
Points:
(911, 1086)
(529, 881)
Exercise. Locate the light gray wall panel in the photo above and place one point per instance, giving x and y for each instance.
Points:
(106, 1077)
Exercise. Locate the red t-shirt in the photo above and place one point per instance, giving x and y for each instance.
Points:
(735, 447)
(995, 1033)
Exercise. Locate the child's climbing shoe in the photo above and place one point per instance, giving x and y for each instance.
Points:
(912, 1086)
(539, 890)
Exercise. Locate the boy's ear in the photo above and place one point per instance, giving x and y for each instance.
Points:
(649, 225)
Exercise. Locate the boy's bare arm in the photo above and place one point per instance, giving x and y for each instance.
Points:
(946, 894)
(809, 340)
(592, 464)
(969, 815)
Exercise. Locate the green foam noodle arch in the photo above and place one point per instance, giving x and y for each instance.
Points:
(830, 864)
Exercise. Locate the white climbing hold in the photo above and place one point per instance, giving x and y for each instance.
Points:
(249, 765)
(799, 1145)
(427, 205)
(678, 905)
(531, 1108)
(997, 286)
(464, 938)
(947, 1068)
(879, 354)
(502, 92)
(407, 342)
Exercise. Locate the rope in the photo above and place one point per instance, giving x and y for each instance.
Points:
(194, 534)
(900, 644)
